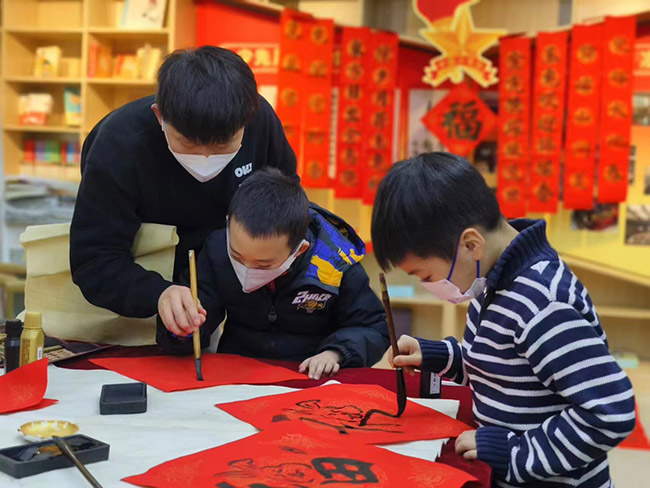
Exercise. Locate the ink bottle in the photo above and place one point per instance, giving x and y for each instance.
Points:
(13, 329)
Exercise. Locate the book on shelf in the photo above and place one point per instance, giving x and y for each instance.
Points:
(53, 152)
(70, 152)
(126, 67)
(100, 61)
(72, 106)
(29, 150)
(50, 151)
(40, 152)
(47, 62)
(148, 61)
(143, 14)
(34, 108)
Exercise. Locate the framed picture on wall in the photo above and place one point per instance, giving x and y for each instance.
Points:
(637, 225)
(420, 139)
(603, 218)
(144, 14)
(641, 109)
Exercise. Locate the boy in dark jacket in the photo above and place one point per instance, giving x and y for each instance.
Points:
(287, 274)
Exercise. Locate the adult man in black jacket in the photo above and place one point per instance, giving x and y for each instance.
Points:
(176, 160)
(287, 275)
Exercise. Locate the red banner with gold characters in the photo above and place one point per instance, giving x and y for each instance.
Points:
(382, 79)
(549, 88)
(619, 34)
(317, 109)
(353, 79)
(294, 30)
(582, 116)
(514, 126)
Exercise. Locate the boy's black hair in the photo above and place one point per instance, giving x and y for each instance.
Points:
(270, 203)
(425, 203)
(206, 94)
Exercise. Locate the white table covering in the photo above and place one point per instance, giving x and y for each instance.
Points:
(175, 424)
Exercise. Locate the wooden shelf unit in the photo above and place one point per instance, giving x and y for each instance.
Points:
(73, 25)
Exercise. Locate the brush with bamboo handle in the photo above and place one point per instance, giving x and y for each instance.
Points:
(401, 382)
(196, 337)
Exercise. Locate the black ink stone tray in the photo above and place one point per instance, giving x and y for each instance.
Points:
(30, 459)
(124, 398)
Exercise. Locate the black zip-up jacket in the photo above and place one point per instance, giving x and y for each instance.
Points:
(324, 302)
(129, 177)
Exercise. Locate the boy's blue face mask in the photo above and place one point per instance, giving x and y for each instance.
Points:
(446, 290)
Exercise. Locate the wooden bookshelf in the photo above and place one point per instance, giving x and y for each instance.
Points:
(73, 25)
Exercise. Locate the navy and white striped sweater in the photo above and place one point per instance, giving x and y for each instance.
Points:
(549, 398)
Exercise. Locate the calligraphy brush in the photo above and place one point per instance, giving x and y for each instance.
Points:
(401, 383)
(65, 449)
(196, 337)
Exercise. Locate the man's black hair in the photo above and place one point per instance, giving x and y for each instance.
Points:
(424, 204)
(270, 203)
(206, 94)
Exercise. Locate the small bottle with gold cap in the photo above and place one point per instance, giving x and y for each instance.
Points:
(31, 339)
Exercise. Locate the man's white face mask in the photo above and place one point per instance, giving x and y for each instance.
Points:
(203, 168)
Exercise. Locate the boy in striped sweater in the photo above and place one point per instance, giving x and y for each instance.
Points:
(549, 398)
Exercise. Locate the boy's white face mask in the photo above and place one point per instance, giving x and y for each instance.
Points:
(446, 290)
(253, 279)
(203, 168)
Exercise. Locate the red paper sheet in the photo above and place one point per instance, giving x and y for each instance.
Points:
(637, 439)
(44, 403)
(173, 373)
(337, 411)
(277, 458)
(23, 387)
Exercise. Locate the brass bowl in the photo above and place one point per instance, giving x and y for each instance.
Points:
(41, 430)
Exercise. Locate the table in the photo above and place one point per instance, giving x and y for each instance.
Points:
(384, 378)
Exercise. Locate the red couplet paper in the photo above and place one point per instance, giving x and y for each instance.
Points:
(514, 127)
(277, 458)
(583, 116)
(336, 412)
(380, 105)
(44, 403)
(618, 38)
(24, 387)
(317, 111)
(291, 87)
(548, 117)
(172, 373)
(353, 78)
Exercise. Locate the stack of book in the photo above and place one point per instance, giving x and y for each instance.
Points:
(50, 151)
(142, 65)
